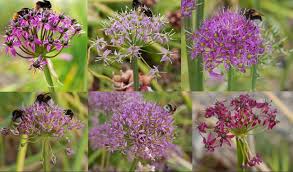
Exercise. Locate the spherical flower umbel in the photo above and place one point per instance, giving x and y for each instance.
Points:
(40, 35)
(236, 118)
(41, 119)
(141, 130)
(129, 32)
(230, 39)
(187, 6)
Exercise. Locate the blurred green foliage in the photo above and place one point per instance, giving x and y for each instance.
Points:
(15, 75)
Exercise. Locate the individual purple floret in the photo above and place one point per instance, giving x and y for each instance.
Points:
(44, 120)
(230, 39)
(141, 130)
(128, 33)
(110, 102)
(187, 6)
(40, 35)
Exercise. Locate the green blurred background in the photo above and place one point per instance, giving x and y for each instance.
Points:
(15, 75)
(79, 138)
(179, 158)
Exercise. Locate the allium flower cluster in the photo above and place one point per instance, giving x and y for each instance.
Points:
(110, 102)
(40, 35)
(187, 6)
(241, 115)
(236, 119)
(41, 119)
(128, 33)
(229, 39)
(140, 129)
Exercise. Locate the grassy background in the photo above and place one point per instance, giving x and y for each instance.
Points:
(15, 75)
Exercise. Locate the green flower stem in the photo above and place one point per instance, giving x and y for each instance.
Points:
(49, 79)
(199, 74)
(135, 74)
(240, 155)
(190, 63)
(199, 62)
(50, 83)
(2, 149)
(81, 151)
(45, 154)
(230, 79)
(253, 77)
(256, 3)
(133, 165)
(103, 159)
(21, 153)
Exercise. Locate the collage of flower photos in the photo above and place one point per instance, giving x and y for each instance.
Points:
(146, 85)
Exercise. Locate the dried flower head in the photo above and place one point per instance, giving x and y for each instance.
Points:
(174, 18)
(40, 35)
(229, 39)
(236, 118)
(128, 33)
(124, 81)
(140, 129)
(187, 6)
(41, 119)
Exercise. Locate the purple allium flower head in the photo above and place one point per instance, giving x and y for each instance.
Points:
(40, 34)
(129, 32)
(187, 6)
(140, 129)
(110, 102)
(49, 120)
(229, 39)
(235, 119)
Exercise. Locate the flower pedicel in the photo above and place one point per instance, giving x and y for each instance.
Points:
(237, 118)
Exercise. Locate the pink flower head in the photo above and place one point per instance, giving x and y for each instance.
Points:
(40, 33)
(209, 143)
(187, 6)
(50, 120)
(254, 161)
(139, 129)
(228, 39)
